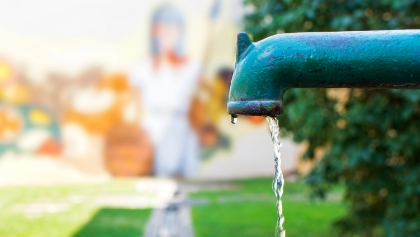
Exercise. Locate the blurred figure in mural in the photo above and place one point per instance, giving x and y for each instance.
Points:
(167, 82)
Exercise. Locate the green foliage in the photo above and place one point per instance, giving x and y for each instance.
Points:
(372, 140)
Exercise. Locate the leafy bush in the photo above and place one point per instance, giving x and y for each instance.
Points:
(371, 136)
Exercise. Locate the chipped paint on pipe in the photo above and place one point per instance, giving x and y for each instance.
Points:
(367, 59)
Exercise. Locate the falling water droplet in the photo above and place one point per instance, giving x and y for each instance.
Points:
(234, 118)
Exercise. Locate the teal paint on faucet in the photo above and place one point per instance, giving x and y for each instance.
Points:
(360, 59)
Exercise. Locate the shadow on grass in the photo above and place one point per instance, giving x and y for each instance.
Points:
(115, 222)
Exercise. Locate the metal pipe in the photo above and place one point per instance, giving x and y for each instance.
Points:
(367, 59)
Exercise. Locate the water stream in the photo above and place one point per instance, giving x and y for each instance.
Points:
(278, 180)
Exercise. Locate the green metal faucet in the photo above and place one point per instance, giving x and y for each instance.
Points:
(360, 59)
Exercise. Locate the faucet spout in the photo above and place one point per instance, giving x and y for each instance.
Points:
(367, 59)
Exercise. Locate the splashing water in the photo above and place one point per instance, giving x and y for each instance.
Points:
(278, 180)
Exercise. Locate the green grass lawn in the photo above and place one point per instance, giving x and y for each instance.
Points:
(257, 218)
(83, 218)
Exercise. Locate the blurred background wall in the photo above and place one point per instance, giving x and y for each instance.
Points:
(68, 110)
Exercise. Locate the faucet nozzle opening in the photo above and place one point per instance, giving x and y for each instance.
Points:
(270, 108)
